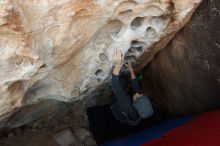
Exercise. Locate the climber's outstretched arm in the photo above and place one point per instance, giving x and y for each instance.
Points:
(118, 61)
(116, 85)
(135, 84)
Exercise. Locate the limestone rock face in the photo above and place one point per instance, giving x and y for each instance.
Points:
(63, 50)
(184, 76)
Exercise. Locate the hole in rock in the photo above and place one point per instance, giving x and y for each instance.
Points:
(160, 22)
(136, 22)
(102, 57)
(153, 11)
(114, 26)
(102, 38)
(126, 8)
(99, 72)
(137, 46)
(125, 14)
(128, 3)
(139, 49)
(43, 66)
(151, 33)
(134, 51)
(134, 43)
(130, 58)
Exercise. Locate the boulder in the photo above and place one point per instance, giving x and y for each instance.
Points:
(62, 50)
(184, 77)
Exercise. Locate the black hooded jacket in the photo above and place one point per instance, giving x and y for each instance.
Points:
(123, 109)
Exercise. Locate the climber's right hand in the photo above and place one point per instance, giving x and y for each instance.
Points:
(118, 61)
(117, 57)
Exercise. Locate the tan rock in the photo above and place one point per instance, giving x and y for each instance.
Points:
(62, 50)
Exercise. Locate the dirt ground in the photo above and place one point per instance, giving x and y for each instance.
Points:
(41, 132)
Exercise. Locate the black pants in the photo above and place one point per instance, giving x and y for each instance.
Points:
(105, 127)
(103, 124)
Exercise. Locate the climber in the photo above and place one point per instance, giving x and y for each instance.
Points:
(126, 109)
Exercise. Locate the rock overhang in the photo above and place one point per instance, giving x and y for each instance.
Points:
(63, 50)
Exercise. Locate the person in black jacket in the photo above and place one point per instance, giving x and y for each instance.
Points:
(126, 109)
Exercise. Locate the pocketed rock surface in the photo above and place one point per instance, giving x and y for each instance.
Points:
(62, 50)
